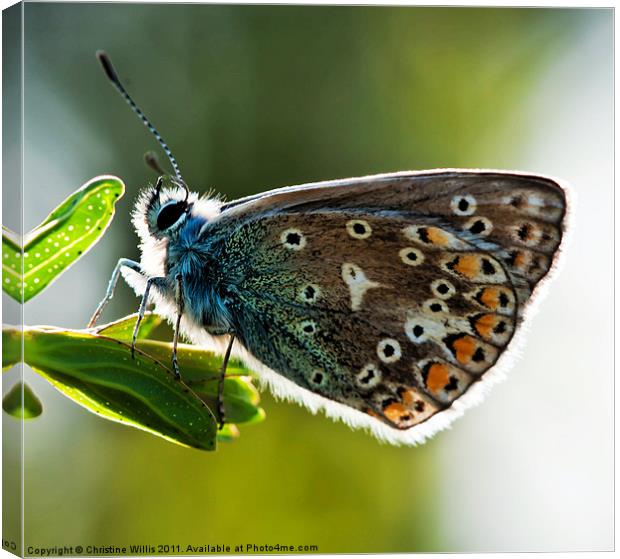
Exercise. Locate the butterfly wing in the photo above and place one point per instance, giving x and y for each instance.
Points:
(394, 295)
(520, 215)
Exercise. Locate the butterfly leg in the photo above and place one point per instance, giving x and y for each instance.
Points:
(180, 308)
(220, 384)
(112, 286)
(157, 282)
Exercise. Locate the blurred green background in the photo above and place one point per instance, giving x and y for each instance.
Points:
(256, 97)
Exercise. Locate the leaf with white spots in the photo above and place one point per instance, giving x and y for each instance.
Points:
(57, 243)
(11, 264)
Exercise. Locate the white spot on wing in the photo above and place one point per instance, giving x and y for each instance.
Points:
(359, 229)
(369, 376)
(357, 282)
(317, 378)
(293, 239)
(487, 226)
(533, 233)
(307, 327)
(435, 306)
(388, 350)
(309, 293)
(463, 205)
(442, 289)
(419, 329)
(411, 256)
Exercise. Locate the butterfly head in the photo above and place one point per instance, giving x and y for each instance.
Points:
(161, 212)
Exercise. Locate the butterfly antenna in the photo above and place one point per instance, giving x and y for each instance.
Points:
(110, 72)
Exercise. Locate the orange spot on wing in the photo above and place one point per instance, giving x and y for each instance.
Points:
(437, 377)
(468, 265)
(490, 297)
(465, 348)
(520, 260)
(485, 325)
(409, 397)
(413, 402)
(437, 236)
(395, 412)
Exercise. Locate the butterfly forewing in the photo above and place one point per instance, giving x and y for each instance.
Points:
(392, 294)
(520, 216)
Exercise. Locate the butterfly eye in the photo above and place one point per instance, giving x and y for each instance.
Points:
(169, 214)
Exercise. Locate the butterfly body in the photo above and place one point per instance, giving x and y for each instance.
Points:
(387, 301)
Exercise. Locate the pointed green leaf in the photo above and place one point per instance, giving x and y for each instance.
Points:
(200, 369)
(11, 346)
(11, 264)
(123, 329)
(228, 433)
(12, 402)
(67, 233)
(99, 374)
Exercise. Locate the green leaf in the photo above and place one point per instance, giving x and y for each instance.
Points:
(67, 233)
(97, 372)
(123, 329)
(228, 433)
(11, 346)
(200, 369)
(12, 402)
(11, 263)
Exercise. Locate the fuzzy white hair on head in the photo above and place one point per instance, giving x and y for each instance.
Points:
(146, 209)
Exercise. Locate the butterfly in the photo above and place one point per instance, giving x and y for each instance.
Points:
(387, 301)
